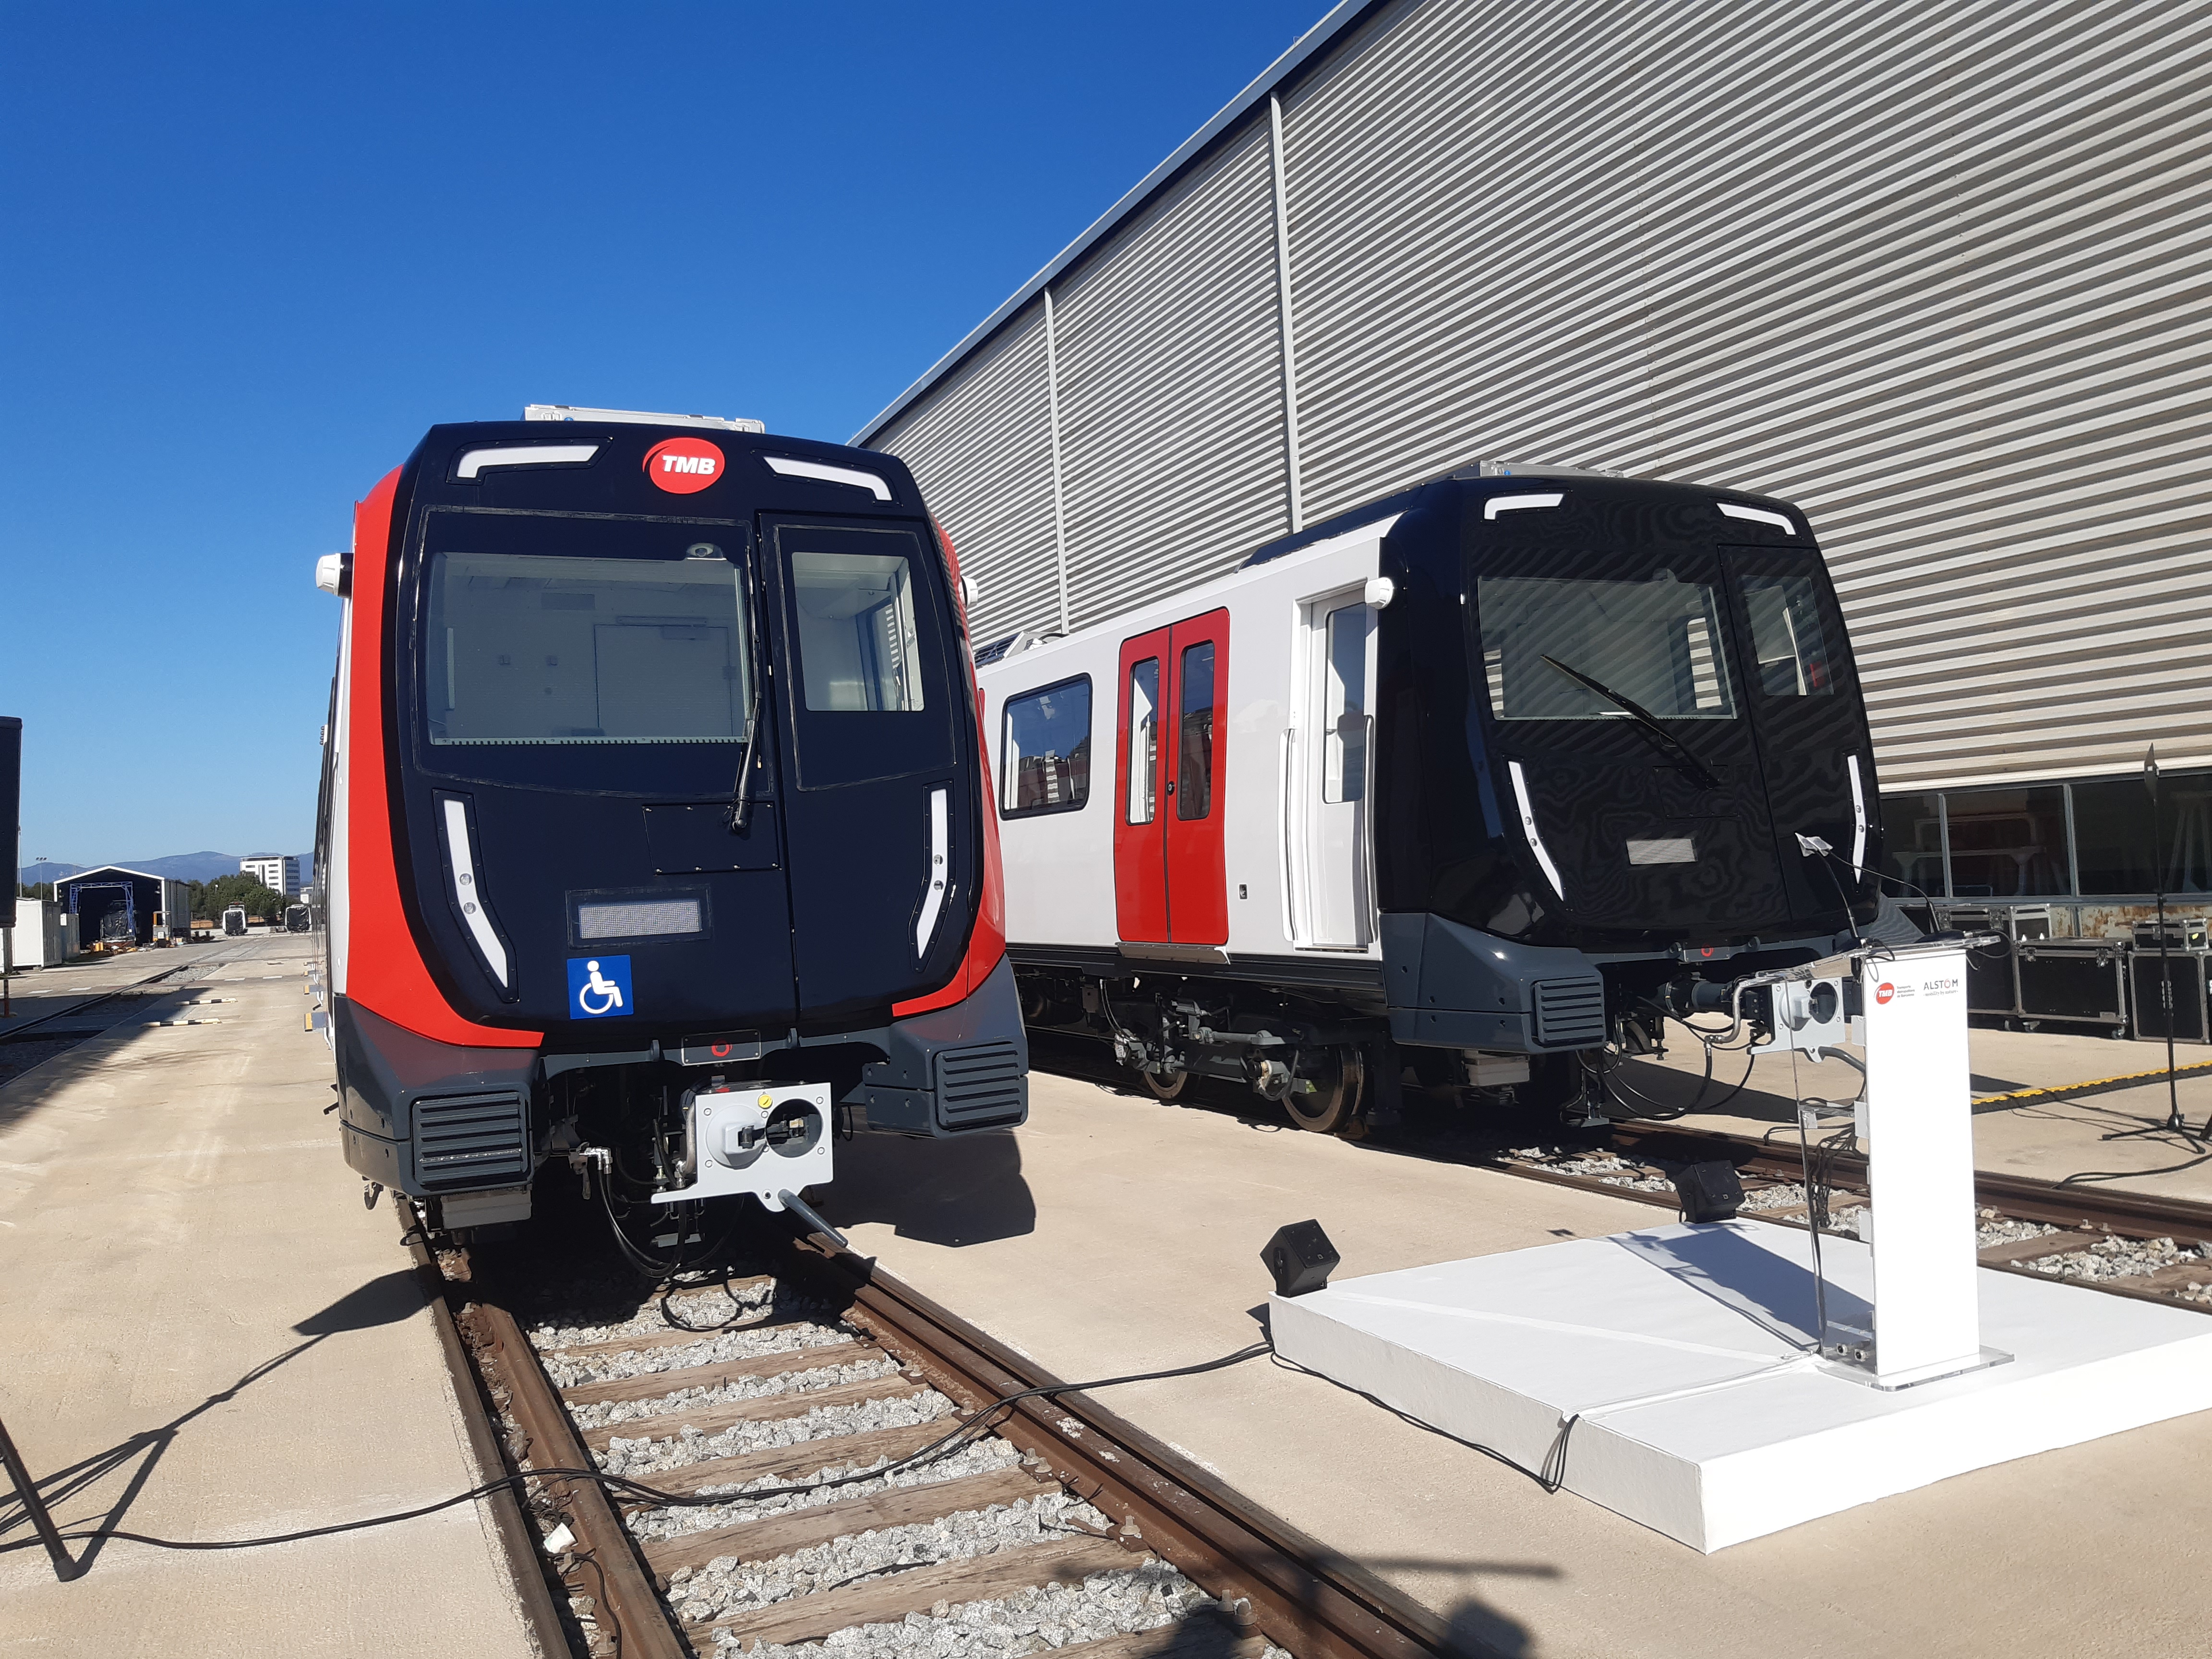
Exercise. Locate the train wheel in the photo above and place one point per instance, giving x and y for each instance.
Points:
(1167, 1088)
(1333, 1107)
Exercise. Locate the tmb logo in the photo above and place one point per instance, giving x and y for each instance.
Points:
(684, 466)
(1884, 992)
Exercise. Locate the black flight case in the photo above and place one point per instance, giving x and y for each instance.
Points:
(2075, 982)
(2173, 991)
(1992, 970)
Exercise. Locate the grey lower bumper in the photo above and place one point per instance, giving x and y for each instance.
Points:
(427, 1118)
(953, 1069)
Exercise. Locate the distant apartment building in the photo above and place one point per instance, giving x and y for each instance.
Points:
(278, 873)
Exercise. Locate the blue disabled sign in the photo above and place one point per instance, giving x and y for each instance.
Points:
(598, 987)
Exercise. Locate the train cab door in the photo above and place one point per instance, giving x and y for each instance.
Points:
(872, 787)
(1328, 774)
(1806, 716)
(1170, 882)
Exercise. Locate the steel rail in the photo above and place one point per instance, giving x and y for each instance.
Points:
(627, 1599)
(526, 1564)
(1757, 1158)
(2133, 1215)
(1302, 1595)
(107, 996)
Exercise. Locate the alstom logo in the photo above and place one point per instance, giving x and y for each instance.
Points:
(682, 466)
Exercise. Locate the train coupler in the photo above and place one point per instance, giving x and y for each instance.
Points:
(762, 1138)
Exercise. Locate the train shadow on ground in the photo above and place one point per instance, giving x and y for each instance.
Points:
(967, 1190)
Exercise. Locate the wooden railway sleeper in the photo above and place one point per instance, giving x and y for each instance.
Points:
(1301, 1596)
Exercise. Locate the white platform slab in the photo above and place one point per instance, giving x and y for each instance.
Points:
(1701, 1415)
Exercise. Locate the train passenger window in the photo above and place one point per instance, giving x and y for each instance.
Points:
(525, 649)
(1656, 642)
(1045, 760)
(1344, 713)
(1786, 637)
(1143, 738)
(1195, 741)
(857, 647)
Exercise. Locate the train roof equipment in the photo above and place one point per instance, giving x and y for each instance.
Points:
(577, 412)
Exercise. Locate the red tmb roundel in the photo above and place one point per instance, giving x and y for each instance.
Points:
(684, 466)
(1884, 992)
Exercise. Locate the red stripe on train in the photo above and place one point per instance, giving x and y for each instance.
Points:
(385, 971)
(987, 944)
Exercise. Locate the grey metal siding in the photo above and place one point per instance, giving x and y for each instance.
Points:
(1936, 272)
(1170, 391)
(981, 448)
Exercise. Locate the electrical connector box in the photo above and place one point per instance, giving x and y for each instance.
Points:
(764, 1139)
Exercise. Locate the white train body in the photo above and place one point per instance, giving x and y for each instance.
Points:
(1287, 889)
(1335, 814)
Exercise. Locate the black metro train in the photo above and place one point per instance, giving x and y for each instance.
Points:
(1481, 780)
(653, 821)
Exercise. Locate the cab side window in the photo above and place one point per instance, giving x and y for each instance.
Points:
(1045, 757)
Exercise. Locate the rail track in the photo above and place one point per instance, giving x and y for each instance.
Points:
(27, 1043)
(2132, 1244)
(813, 1408)
(1049, 1523)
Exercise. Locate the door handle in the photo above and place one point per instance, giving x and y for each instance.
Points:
(1171, 786)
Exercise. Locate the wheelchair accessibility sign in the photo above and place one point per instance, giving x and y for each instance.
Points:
(598, 987)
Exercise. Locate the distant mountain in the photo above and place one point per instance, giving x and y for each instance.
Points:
(187, 866)
(179, 867)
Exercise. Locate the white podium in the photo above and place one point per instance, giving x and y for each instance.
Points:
(1721, 1382)
(1914, 1125)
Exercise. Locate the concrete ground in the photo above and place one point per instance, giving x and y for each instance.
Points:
(1113, 1234)
(2049, 1137)
(49, 1009)
(209, 1337)
(32, 992)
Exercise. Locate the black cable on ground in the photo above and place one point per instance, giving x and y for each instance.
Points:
(736, 1308)
(1551, 1476)
(1611, 1086)
(2132, 1175)
(623, 1486)
(650, 1265)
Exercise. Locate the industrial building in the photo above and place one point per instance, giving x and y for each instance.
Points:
(112, 902)
(1935, 273)
(279, 872)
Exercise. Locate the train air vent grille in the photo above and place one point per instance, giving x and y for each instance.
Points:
(980, 1086)
(464, 1141)
(1570, 1013)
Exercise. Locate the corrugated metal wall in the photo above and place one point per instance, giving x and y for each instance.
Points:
(982, 447)
(1937, 272)
(1170, 391)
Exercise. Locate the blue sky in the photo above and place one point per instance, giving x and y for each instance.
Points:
(253, 253)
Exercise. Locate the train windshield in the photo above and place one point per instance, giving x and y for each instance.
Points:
(529, 648)
(1554, 644)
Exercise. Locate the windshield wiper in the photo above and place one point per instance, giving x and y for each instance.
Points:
(1646, 723)
(741, 793)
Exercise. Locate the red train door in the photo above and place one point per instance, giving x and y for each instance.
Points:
(1170, 859)
(1140, 889)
